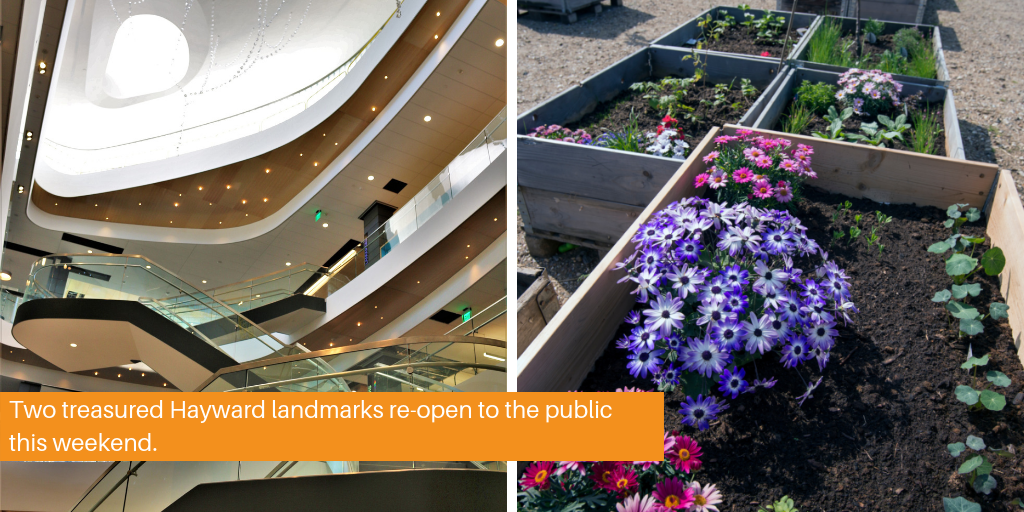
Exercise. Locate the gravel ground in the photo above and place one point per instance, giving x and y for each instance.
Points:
(981, 50)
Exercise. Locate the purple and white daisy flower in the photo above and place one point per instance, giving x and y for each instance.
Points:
(665, 314)
(685, 280)
(759, 336)
(643, 362)
(822, 335)
(698, 413)
(729, 335)
(732, 383)
(704, 357)
(795, 352)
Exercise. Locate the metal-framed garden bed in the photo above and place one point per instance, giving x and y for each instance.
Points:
(565, 9)
(903, 11)
(686, 35)
(849, 24)
(589, 195)
(565, 351)
(784, 93)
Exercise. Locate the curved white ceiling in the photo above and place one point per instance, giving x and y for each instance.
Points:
(149, 91)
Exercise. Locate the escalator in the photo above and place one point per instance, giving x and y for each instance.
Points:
(84, 312)
(297, 486)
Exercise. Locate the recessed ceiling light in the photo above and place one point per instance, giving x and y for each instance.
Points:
(495, 219)
(21, 189)
(426, 118)
(300, 154)
(268, 170)
(73, 345)
(95, 205)
(175, 205)
(373, 109)
(438, 13)
(369, 178)
(42, 71)
(467, 246)
(316, 164)
(417, 282)
(375, 307)
(287, 263)
(42, 65)
(330, 344)
(119, 375)
(204, 281)
(95, 373)
(140, 204)
(359, 324)
(385, 77)
(147, 266)
(243, 202)
(5, 275)
(435, 36)
(143, 374)
(499, 43)
(325, 224)
(165, 384)
(467, 257)
(200, 188)
(265, 199)
(89, 251)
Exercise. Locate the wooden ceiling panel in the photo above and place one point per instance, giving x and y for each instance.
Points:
(404, 142)
(486, 60)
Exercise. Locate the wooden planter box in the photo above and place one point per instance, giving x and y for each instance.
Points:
(588, 195)
(683, 34)
(849, 24)
(786, 89)
(536, 305)
(565, 9)
(564, 352)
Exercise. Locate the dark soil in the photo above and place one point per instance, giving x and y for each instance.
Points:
(613, 115)
(852, 125)
(874, 436)
(741, 40)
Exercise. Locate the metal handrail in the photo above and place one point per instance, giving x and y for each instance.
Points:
(364, 371)
(131, 471)
(478, 316)
(195, 331)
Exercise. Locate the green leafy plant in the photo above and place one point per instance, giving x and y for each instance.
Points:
(827, 45)
(872, 134)
(835, 127)
(977, 467)
(748, 89)
(981, 394)
(840, 210)
(874, 27)
(797, 120)
(893, 62)
(895, 126)
(816, 97)
(783, 504)
(959, 505)
(667, 95)
(907, 38)
(768, 27)
(713, 28)
(631, 138)
(837, 235)
(882, 218)
(854, 234)
(925, 133)
(960, 266)
(919, 53)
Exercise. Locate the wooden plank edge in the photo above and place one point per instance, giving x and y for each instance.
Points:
(1005, 226)
(951, 123)
(546, 346)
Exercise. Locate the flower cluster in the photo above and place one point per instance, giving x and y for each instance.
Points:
(760, 170)
(869, 92)
(667, 142)
(721, 291)
(622, 486)
(557, 132)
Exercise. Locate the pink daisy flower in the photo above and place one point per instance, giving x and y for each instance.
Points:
(705, 498)
(710, 157)
(718, 179)
(538, 475)
(701, 180)
(744, 132)
(567, 466)
(802, 157)
(763, 161)
(763, 189)
(674, 494)
(724, 139)
(752, 153)
(790, 165)
(635, 503)
(742, 175)
(685, 455)
(805, 148)
(783, 193)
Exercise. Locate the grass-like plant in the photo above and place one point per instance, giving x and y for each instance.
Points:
(631, 138)
(817, 97)
(922, 61)
(961, 265)
(827, 45)
(893, 62)
(924, 137)
(797, 120)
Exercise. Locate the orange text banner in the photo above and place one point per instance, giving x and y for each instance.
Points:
(334, 426)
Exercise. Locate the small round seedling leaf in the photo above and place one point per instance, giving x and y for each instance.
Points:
(971, 326)
(984, 469)
(942, 296)
(993, 261)
(998, 378)
(973, 214)
(953, 212)
(962, 311)
(998, 310)
(962, 290)
(948, 223)
(959, 505)
(956, 449)
(961, 264)
(972, 361)
(967, 395)
(976, 443)
(992, 401)
(985, 484)
(975, 240)
(971, 464)
(938, 247)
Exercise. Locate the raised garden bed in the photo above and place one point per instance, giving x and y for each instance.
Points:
(588, 195)
(565, 9)
(876, 431)
(739, 39)
(536, 304)
(903, 11)
(884, 42)
(939, 100)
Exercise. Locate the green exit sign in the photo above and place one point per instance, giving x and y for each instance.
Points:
(319, 213)
(467, 315)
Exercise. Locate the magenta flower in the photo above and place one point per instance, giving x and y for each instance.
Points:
(718, 179)
(805, 149)
(789, 165)
(763, 189)
(710, 157)
(701, 180)
(753, 153)
(783, 193)
(763, 161)
(742, 175)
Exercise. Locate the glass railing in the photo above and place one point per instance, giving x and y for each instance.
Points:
(484, 149)
(135, 278)
(415, 364)
(134, 486)
(9, 302)
(491, 320)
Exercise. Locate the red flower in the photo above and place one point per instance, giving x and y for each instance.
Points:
(670, 121)
(537, 475)
(661, 128)
(766, 54)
